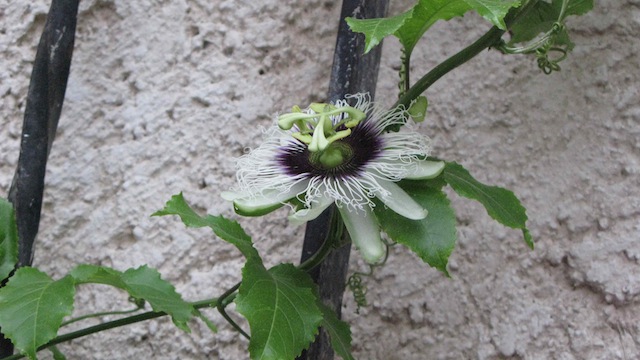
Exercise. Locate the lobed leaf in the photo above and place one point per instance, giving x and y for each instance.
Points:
(32, 306)
(226, 229)
(8, 239)
(145, 283)
(501, 204)
(94, 274)
(281, 309)
(338, 330)
(206, 321)
(543, 16)
(141, 283)
(432, 238)
(377, 29)
(409, 26)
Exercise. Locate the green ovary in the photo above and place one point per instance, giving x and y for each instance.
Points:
(336, 154)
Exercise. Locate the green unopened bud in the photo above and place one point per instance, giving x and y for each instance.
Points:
(418, 109)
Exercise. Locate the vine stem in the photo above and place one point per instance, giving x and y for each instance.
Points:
(220, 303)
(489, 39)
(100, 314)
(111, 325)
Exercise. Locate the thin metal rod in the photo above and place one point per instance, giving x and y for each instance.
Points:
(352, 72)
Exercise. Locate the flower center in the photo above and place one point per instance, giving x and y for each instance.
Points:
(335, 155)
(320, 126)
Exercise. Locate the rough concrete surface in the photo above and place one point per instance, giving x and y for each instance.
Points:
(164, 94)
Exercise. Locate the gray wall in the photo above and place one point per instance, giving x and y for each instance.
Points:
(163, 95)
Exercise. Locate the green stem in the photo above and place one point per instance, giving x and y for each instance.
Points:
(225, 300)
(405, 68)
(315, 260)
(111, 325)
(335, 234)
(489, 39)
(100, 314)
(492, 37)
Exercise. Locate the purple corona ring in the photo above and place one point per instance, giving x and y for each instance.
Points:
(336, 153)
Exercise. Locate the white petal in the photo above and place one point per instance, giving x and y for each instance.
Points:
(364, 232)
(266, 202)
(400, 202)
(304, 215)
(232, 195)
(427, 170)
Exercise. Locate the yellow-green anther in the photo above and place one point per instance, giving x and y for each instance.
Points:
(352, 123)
(305, 138)
(354, 113)
(320, 121)
(339, 135)
(286, 121)
(321, 108)
(355, 116)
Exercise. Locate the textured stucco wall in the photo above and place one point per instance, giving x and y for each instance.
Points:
(163, 95)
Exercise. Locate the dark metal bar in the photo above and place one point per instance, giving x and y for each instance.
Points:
(352, 72)
(44, 104)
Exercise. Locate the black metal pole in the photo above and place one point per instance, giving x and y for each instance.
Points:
(44, 104)
(352, 72)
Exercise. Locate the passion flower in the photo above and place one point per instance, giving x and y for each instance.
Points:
(336, 153)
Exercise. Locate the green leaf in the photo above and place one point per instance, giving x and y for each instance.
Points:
(226, 229)
(8, 239)
(494, 10)
(577, 7)
(206, 321)
(141, 283)
(409, 27)
(94, 274)
(541, 18)
(281, 309)
(432, 238)
(501, 204)
(338, 330)
(427, 12)
(377, 29)
(32, 306)
(145, 283)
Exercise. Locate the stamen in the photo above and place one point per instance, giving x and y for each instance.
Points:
(323, 120)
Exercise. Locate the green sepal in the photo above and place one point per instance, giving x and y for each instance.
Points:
(254, 211)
